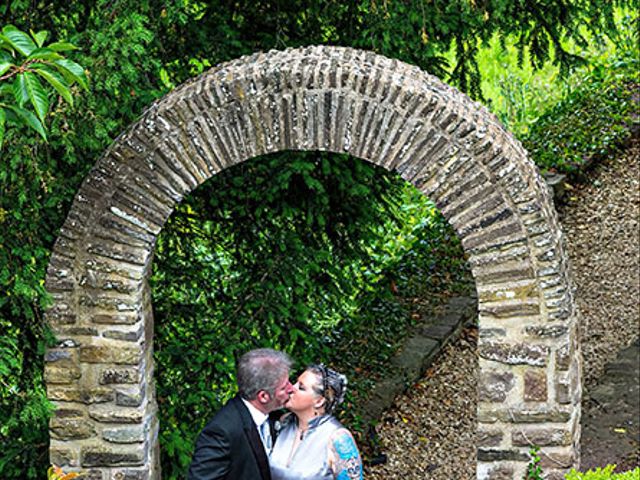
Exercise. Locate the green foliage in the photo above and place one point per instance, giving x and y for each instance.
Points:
(534, 471)
(37, 184)
(567, 121)
(606, 473)
(593, 120)
(24, 60)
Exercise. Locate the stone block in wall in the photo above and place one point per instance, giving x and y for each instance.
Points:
(508, 309)
(99, 456)
(132, 397)
(108, 303)
(111, 267)
(498, 455)
(537, 415)
(130, 255)
(61, 375)
(560, 313)
(123, 318)
(508, 292)
(130, 474)
(124, 335)
(546, 331)
(56, 318)
(494, 385)
(63, 457)
(71, 429)
(491, 333)
(80, 394)
(108, 282)
(535, 385)
(92, 474)
(514, 354)
(76, 332)
(543, 437)
(492, 471)
(61, 356)
(128, 434)
(568, 386)
(551, 458)
(494, 239)
(489, 437)
(110, 354)
(112, 414)
(119, 375)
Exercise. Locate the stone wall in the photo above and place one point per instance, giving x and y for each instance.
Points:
(100, 376)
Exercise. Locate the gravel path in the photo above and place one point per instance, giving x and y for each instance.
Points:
(430, 431)
(601, 228)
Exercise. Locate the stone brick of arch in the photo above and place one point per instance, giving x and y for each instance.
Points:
(100, 376)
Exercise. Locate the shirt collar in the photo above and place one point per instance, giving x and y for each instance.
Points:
(257, 416)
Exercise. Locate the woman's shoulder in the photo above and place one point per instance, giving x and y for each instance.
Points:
(341, 434)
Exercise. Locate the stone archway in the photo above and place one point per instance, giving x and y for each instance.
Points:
(100, 376)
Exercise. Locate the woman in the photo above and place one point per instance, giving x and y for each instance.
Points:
(312, 443)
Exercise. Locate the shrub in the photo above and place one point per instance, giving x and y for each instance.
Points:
(598, 110)
(590, 122)
(606, 473)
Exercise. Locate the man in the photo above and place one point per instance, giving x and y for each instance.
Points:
(234, 444)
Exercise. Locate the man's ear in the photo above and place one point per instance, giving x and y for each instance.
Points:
(263, 397)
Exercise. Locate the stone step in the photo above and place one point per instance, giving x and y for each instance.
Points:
(419, 351)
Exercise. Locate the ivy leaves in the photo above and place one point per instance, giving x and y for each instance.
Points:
(29, 73)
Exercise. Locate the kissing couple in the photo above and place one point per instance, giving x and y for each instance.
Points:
(242, 442)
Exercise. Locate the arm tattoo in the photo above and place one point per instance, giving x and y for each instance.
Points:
(347, 464)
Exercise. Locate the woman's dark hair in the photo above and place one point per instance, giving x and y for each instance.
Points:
(332, 386)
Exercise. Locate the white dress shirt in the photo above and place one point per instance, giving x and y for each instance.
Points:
(259, 419)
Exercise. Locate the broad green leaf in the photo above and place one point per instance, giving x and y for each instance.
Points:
(56, 81)
(18, 40)
(5, 57)
(61, 46)
(39, 37)
(3, 117)
(72, 71)
(44, 54)
(4, 66)
(20, 90)
(37, 95)
(29, 119)
(6, 89)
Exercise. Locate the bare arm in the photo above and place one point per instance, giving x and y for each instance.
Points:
(344, 456)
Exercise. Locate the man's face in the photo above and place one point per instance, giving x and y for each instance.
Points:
(281, 394)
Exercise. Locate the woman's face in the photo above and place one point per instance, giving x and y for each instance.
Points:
(304, 397)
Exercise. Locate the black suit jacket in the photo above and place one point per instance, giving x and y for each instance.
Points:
(229, 447)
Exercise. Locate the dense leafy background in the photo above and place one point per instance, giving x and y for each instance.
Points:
(306, 250)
